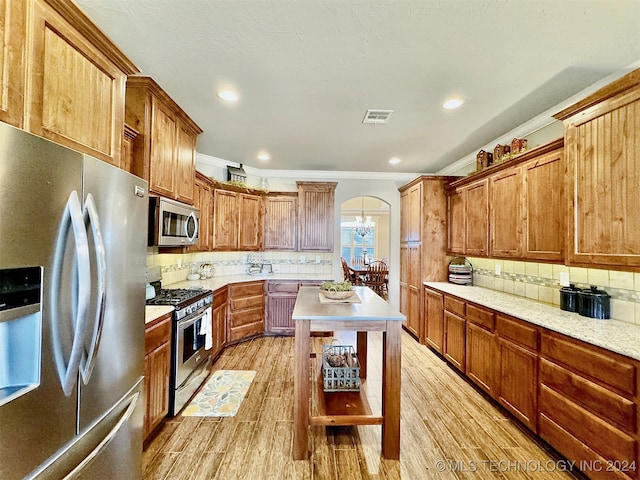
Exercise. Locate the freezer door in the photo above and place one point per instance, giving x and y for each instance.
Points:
(116, 210)
(37, 179)
(108, 449)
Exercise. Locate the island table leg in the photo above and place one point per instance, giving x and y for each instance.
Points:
(391, 373)
(301, 391)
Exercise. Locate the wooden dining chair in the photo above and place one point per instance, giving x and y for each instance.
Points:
(357, 261)
(378, 278)
(348, 274)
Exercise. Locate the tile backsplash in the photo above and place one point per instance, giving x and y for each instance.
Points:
(541, 281)
(176, 267)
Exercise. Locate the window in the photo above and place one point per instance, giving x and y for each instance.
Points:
(353, 244)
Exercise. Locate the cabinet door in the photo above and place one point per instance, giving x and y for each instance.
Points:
(250, 221)
(203, 200)
(434, 327)
(225, 220)
(156, 376)
(602, 148)
(481, 356)
(404, 217)
(457, 222)
(544, 207)
(518, 382)
(220, 327)
(415, 209)
(454, 345)
(477, 215)
(75, 94)
(414, 288)
(185, 164)
(13, 33)
(506, 220)
(280, 223)
(163, 149)
(315, 216)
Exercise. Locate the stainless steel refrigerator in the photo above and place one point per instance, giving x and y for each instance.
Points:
(73, 233)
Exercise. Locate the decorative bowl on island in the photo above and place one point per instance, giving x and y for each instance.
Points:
(337, 290)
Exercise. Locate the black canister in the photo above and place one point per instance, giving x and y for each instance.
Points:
(569, 298)
(594, 303)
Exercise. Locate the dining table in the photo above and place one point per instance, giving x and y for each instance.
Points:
(364, 312)
(359, 272)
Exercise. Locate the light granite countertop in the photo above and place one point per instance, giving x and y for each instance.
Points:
(154, 311)
(614, 335)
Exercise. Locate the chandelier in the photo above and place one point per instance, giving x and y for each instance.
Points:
(363, 227)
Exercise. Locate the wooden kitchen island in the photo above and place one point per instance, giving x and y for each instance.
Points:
(372, 314)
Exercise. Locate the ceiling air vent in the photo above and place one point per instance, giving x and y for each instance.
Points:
(376, 117)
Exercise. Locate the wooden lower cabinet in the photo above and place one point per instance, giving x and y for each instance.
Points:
(518, 382)
(280, 300)
(157, 362)
(481, 351)
(588, 402)
(454, 340)
(434, 308)
(246, 310)
(220, 305)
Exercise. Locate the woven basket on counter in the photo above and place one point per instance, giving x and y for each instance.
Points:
(460, 271)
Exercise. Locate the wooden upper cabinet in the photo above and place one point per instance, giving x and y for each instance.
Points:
(414, 213)
(165, 154)
(456, 222)
(185, 163)
(544, 207)
(237, 220)
(163, 169)
(225, 220)
(250, 221)
(13, 22)
(315, 216)
(477, 215)
(203, 201)
(280, 222)
(76, 80)
(128, 142)
(506, 222)
(602, 151)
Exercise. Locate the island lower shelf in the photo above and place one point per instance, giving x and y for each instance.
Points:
(340, 408)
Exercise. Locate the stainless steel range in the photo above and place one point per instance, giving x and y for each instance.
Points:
(190, 361)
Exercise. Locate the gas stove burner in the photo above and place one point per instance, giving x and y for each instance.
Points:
(176, 296)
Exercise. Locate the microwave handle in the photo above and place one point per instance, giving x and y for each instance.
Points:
(193, 217)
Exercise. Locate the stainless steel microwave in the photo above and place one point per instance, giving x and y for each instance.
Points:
(172, 224)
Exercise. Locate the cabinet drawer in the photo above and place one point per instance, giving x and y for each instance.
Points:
(517, 331)
(283, 287)
(246, 289)
(576, 451)
(247, 302)
(480, 316)
(600, 436)
(601, 366)
(157, 335)
(599, 400)
(454, 305)
(246, 317)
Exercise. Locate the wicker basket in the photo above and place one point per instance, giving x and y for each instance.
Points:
(340, 369)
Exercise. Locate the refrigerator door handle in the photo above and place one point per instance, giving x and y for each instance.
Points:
(105, 441)
(91, 217)
(191, 216)
(72, 219)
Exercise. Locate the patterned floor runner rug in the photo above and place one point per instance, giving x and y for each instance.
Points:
(222, 395)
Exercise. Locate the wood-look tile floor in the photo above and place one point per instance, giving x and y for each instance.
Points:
(448, 429)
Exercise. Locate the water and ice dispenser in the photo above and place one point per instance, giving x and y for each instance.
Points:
(20, 331)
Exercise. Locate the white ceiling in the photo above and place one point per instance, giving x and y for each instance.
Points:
(307, 71)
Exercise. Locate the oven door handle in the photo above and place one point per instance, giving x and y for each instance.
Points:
(183, 324)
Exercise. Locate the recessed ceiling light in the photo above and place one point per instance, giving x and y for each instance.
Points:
(394, 161)
(264, 156)
(228, 95)
(452, 103)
